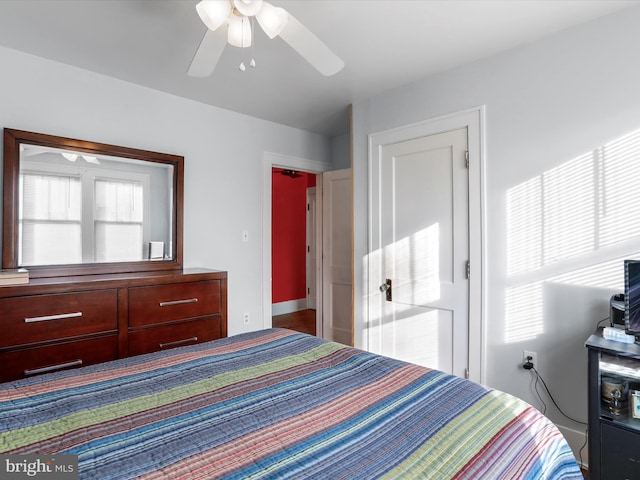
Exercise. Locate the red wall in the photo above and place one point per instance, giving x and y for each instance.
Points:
(288, 235)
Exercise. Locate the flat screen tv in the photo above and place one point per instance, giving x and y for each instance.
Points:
(632, 297)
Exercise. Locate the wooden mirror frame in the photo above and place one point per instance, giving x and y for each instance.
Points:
(11, 185)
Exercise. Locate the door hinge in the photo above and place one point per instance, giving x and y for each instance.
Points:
(466, 158)
(467, 270)
(466, 373)
(308, 207)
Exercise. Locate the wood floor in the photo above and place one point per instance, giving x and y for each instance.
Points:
(302, 321)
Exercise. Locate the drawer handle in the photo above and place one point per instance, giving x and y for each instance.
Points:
(60, 366)
(178, 342)
(52, 317)
(178, 302)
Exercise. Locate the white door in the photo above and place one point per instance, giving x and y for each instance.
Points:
(423, 224)
(311, 248)
(337, 322)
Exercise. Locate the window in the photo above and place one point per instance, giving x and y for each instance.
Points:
(56, 231)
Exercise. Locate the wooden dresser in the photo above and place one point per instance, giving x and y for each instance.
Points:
(65, 322)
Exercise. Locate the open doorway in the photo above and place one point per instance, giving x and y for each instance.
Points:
(333, 233)
(293, 250)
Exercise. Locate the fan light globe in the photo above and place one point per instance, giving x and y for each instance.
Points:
(239, 31)
(272, 19)
(248, 8)
(213, 13)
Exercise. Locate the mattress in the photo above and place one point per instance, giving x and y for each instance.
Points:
(278, 404)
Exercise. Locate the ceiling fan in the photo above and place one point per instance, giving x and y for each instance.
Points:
(238, 15)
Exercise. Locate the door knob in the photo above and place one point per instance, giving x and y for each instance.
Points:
(386, 288)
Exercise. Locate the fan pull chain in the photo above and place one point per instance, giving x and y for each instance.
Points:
(252, 64)
(241, 67)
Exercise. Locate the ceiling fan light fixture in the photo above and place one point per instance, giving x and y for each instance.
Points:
(287, 172)
(213, 13)
(275, 21)
(248, 8)
(239, 31)
(272, 19)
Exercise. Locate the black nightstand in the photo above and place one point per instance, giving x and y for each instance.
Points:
(614, 409)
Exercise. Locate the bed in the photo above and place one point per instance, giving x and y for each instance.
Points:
(278, 404)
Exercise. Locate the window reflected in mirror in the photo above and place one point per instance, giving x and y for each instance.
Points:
(79, 208)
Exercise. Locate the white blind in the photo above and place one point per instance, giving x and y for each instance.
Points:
(118, 220)
(118, 201)
(55, 231)
(50, 219)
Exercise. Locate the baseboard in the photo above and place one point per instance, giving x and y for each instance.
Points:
(576, 440)
(289, 306)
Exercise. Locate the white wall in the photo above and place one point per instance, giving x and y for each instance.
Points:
(546, 104)
(223, 163)
(341, 152)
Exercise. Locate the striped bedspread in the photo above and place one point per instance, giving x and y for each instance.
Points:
(278, 404)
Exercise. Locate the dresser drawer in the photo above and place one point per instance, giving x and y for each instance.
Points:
(32, 361)
(38, 318)
(162, 303)
(174, 335)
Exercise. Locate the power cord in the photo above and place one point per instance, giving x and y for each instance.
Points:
(528, 365)
(603, 320)
(535, 387)
(586, 440)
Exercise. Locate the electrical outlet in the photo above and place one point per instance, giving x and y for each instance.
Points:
(534, 357)
(245, 318)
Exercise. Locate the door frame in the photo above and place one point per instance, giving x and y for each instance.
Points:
(271, 161)
(312, 238)
(473, 119)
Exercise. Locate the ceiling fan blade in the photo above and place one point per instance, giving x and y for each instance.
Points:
(208, 53)
(312, 49)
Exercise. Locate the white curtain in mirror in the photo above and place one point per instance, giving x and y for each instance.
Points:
(54, 229)
(50, 219)
(118, 220)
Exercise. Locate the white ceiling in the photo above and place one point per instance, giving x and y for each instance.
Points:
(384, 43)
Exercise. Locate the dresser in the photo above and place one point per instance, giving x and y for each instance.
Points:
(58, 323)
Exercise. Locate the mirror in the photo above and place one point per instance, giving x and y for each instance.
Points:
(73, 207)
